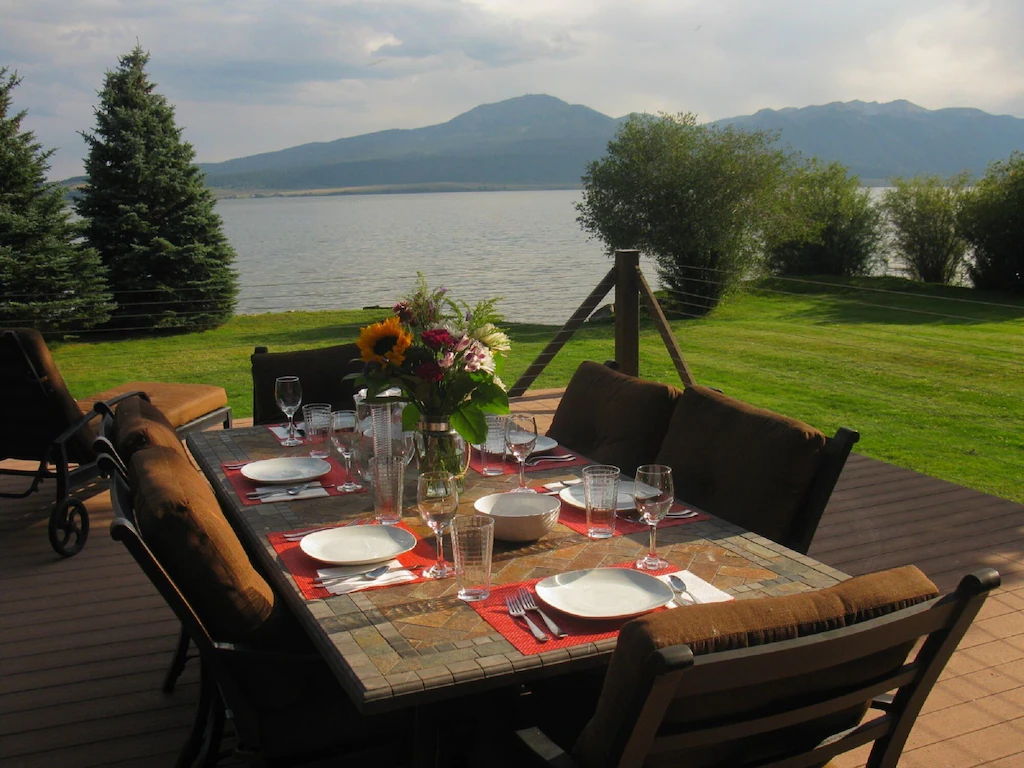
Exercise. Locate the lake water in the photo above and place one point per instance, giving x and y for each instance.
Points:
(352, 251)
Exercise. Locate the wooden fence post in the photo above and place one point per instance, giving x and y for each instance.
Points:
(627, 312)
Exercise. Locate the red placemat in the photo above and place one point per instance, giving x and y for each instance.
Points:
(580, 631)
(576, 518)
(284, 425)
(304, 568)
(511, 466)
(244, 485)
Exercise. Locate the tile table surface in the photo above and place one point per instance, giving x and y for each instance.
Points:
(404, 645)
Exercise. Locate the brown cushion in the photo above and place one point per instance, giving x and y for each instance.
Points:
(613, 418)
(139, 424)
(180, 403)
(180, 520)
(321, 373)
(37, 412)
(714, 627)
(747, 465)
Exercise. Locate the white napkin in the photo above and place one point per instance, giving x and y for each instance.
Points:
(278, 493)
(281, 432)
(698, 588)
(355, 581)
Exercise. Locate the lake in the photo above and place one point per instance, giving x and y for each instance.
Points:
(351, 251)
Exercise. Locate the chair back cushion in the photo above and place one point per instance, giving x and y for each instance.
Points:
(613, 418)
(182, 523)
(36, 411)
(715, 627)
(139, 424)
(744, 464)
(321, 372)
(179, 403)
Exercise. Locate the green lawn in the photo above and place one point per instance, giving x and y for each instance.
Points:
(931, 377)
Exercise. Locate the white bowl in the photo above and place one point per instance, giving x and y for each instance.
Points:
(520, 516)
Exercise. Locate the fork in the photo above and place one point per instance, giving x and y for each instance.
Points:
(529, 604)
(515, 608)
(546, 459)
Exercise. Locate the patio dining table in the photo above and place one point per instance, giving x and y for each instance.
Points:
(416, 643)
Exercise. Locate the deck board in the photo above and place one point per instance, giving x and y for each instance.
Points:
(85, 642)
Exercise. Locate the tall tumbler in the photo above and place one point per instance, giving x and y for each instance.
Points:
(472, 546)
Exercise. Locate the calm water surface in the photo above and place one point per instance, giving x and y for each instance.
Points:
(353, 251)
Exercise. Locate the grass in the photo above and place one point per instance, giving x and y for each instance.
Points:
(931, 377)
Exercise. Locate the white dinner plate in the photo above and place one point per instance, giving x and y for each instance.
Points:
(604, 593)
(573, 495)
(297, 469)
(357, 544)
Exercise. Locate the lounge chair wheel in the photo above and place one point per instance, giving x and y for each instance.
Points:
(69, 527)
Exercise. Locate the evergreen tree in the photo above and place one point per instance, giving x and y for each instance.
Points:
(48, 279)
(149, 213)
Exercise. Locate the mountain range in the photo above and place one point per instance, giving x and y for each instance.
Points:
(539, 141)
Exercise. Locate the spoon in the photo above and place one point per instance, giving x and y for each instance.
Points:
(376, 573)
(680, 586)
(295, 490)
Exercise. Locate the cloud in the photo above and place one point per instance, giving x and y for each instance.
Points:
(255, 75)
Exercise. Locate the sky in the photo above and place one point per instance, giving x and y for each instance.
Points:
(250, 76)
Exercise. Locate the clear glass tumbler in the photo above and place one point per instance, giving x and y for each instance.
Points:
(472, 546)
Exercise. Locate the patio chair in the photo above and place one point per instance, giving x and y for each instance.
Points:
(257, 666)
(765, 472)
(321, 373)
(613, 418)
(43, 423)
(773, 682)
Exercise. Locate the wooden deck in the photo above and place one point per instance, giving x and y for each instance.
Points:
(84, 642)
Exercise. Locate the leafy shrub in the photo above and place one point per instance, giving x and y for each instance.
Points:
(826, 224)
(993, 223)
(689, 195)
(924, 212)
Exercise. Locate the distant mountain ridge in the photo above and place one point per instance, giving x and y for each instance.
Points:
(541, 141)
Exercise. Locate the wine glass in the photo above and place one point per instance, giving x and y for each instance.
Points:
(437, 497)
(288, 393)
(653, 495)
(521, 439)
(345, 435)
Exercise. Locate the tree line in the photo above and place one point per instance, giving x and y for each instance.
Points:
(714, 206)
(148, 252)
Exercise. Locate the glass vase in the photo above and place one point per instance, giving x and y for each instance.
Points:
(440, 448)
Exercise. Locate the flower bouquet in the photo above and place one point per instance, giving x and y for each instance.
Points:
(445, 358)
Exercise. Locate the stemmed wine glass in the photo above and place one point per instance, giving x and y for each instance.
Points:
(438, 499)
(653, 495)
(345, 435)
(521, 439)
(288, 393)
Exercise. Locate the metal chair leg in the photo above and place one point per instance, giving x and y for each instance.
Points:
(203, 743)
(177, 662)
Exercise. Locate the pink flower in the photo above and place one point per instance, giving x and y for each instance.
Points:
(429, 371)
(447, 360)
(438, 338)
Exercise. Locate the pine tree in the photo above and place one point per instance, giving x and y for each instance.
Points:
(149, 213)
(48, 279)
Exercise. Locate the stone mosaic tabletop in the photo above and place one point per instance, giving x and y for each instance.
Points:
(403, 645)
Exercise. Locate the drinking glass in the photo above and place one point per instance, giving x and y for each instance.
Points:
(653, 495)
(521, 439)
(288, 393)
(437, 497)
(472, 547)
(601, 493)
(317, 419)
(345, 436)
(388, 483)
(492, 450)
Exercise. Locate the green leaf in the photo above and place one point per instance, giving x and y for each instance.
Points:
(491, 398)
(410, 417)
(469, 422)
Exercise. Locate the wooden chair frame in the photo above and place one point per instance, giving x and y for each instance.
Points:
(674, 671)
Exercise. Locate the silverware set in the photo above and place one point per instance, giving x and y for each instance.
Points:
(294, 490)
(679, 586)
(520, 604)
(370, 575)
(533, 462)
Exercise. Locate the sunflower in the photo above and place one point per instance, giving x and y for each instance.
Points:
(384, 342)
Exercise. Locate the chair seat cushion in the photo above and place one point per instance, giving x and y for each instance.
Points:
(715, 627)
(139, 424)
(744, 464)
(180, 520)
(180, 403)
(613, 418)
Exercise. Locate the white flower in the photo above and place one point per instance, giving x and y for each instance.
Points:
(478, 357)
(447, 360)
(494, 339)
